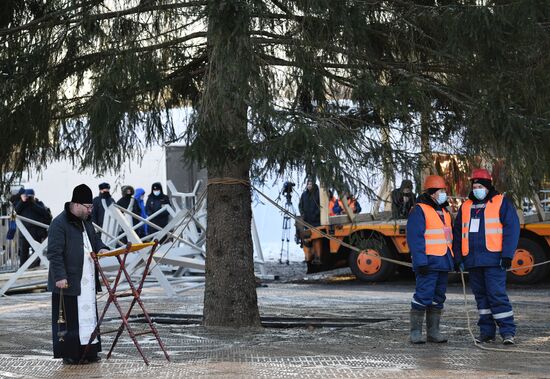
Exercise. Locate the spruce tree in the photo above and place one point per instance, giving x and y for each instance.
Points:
(276, 85)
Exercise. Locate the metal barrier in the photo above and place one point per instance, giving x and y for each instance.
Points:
(544, 196)
(9, 257)
(182, 252)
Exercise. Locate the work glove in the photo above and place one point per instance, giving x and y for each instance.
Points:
(459, 267)
(505, 263)
(423, 270)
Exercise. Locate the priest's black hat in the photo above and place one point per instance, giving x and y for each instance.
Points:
(82, 194)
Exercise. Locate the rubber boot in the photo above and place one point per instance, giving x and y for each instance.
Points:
(433, 315)
(417, 319)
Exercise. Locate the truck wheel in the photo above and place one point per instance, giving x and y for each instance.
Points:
(528, 253)
(368, 267)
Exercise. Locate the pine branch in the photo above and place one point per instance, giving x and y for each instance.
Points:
(36, 24)
(56, 18)
(110, 53)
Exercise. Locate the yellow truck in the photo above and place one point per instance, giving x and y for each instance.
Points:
(383, 237)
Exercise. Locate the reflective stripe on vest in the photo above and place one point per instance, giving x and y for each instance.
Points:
(493, 226)
(437, 241)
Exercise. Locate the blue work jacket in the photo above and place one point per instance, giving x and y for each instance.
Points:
(416, 226)
(478, 255)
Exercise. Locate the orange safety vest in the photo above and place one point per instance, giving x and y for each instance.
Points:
(438, 235)
(331, 203)
(493, 226)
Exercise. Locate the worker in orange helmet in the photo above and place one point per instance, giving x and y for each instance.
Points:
(332, 201)
(486, 234)
(429, 236)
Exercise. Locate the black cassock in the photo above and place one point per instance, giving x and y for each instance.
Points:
(70, 347)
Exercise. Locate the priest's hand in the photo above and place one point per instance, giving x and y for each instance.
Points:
(62, 283)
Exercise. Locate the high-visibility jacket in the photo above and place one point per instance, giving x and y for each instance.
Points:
(438, 234)
(493, 226)
(331, 203)
(335, 206)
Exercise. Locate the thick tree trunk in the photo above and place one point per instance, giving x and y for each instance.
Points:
(230, 295)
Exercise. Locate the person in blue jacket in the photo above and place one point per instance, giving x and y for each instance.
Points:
(353, 204)
(139, 196)
(429, 237)
(486, 234)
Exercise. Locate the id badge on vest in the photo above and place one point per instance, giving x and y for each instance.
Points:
(448, 233)
(474, 225)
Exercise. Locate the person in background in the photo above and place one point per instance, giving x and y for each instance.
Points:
(128, 202)
(16, 196)
(332, 202)
(155, 201)
(73, 279)
(353, 204)
(310, 212)
(98, 212)
(33, 209)
(430, 238)
(139, 198)
(486, 234)
(402, 200)
(309, 204)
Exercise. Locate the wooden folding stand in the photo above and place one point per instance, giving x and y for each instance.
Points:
(135, 292)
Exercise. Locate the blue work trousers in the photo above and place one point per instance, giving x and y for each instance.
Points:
(489, 287)
(430, 290)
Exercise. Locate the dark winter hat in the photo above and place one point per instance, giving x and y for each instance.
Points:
(29, 192)
(156, 186)
(104, 185)
(406, 183)
(127, 190)
(82, 194)
(484, 182)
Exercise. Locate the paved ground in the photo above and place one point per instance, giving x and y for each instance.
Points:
(373, 349)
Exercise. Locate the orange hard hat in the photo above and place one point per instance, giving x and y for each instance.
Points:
(434, 181)
(480, 173)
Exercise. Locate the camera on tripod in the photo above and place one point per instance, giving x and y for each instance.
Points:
(288, 214)
(287, 190)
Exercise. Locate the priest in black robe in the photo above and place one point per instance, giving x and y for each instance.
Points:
(72, 272)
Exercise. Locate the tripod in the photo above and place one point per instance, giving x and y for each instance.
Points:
(285, 237)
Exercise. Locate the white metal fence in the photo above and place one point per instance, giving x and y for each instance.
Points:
(9, 258)
(178, 264)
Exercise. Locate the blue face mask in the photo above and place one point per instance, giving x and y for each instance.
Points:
(480, 193)
(441, 198)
